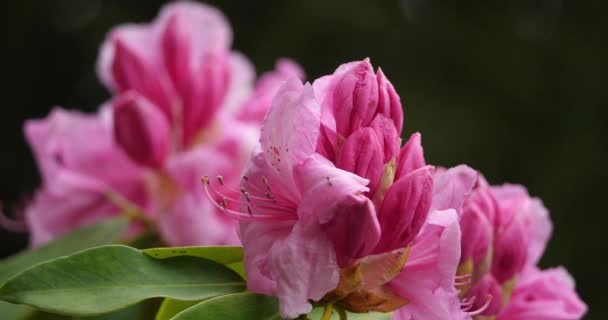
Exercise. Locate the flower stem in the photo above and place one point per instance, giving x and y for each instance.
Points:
(342, 313)
(327, 312)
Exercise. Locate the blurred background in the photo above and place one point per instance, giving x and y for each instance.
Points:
(514, 88)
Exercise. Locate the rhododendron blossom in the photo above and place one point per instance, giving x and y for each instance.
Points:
(184, 104)
(505, 232)
(330, 208)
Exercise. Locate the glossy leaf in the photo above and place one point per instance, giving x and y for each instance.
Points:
(108, 278)
(219, 254)
(171, 307)
(231, 256)
(238, 306)
(89, 236)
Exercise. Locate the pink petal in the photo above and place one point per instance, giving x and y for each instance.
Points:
(291, 130)
(388, 136)
(354, 230)
(452, 187)
(411, 156)
(362, 155)
(547, 295)
(427, 280)
(389, 103)
(141, 129)
(304, 267)
(405, 209)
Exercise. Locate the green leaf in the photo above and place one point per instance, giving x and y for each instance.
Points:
(89, 236)
(219, 254)
(318, 312)
(244, 305)
(231, 256)
(103, 279)
(142, 311)
(171, 307)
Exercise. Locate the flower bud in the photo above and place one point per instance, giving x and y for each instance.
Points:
(405, 209)
(510, 250)
(362, 155)
(387, 137)
(411, 156)
(133, 67)
(354, 229)
(389, 103)
(476, 227)
(141, 129)
(355, 98)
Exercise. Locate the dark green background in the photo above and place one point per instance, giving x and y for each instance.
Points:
(516, 89)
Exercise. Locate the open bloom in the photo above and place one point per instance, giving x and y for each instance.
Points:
(74, 151)
(184, 104)
(506, 234)
(330, 207)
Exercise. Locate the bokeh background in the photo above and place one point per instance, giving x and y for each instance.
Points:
(514, 88)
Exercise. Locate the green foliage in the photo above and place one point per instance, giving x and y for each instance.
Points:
(231, 256)
(109, 278)
(170, 307)
(245, 306)
(89, 236)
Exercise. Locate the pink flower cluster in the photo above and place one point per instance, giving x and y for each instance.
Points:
(184, 104)
(331, 208)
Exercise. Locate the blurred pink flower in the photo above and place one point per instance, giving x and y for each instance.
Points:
(547, 294)
(183, 106)
(321, 196)
(506, 234)
(80, 165)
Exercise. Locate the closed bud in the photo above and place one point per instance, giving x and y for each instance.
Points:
(355, 98)
(411, 156)
(405, 209)
(141, 129)
(389, 103)
(362, 155)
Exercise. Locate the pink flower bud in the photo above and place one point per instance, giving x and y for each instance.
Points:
(405, 209)
(354, 230)
(362, 155)
(411, 156)
(355, 98)
(486, 296)
(387, 136)
(476, 224)
(133, 67)
(389, 103)
(141, 129)
(476, 236)
(510, 249)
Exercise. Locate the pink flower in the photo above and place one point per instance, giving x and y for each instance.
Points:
(428, 280)
(180, 92)
(506, 234)
(80, 165)
(547, 294)
(321, 197)
(190, 88)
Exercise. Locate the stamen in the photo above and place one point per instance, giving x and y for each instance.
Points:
(249, 216)
(483, 308)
